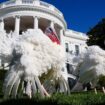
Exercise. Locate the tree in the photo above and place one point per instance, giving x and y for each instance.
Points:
(97, 35)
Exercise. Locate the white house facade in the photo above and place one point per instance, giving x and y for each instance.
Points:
(19, 15)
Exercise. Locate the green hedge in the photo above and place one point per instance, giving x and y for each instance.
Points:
(60, 99)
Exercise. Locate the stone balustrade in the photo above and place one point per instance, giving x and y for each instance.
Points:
(32, 3)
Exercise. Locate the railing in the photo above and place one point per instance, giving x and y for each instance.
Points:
(58, 11)
(7, 3)
(27, 1)
(44, 4)
(31, 2)
(76, 34)
(10, 2)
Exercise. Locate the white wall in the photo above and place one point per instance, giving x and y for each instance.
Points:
(73, 38)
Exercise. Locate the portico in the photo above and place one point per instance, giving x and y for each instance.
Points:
(19, 24)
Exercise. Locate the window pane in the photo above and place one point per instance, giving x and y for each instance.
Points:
(77, 49)
(67, 47)
(69, 68)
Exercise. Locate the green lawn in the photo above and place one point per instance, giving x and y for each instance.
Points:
(88, 98)
(81, 98)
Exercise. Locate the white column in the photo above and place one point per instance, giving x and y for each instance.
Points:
(17, 25)
(1, 25)
(61, 37)
(36, 22)
(52, 24)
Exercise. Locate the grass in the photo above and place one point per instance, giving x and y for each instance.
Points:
(80, 98)
(88, 98)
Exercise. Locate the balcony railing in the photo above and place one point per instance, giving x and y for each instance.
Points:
(10, 2)
(31, 2)
(27, 1)
(44, 4)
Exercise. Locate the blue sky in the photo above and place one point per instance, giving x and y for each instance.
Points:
(80, 15)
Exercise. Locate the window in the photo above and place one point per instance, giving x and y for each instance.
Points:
(69, 68)
(67, 47)
(71, 82)
(77, 50)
